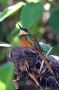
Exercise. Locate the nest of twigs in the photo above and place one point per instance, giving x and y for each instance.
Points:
(31, 72)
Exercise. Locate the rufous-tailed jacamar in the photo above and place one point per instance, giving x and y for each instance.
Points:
(24, 34)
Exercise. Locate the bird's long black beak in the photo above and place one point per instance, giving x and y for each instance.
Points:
(23, 31)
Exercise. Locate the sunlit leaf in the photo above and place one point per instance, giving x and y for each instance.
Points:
(32, 1)
(10, 10)
(4, 44)
(2, 86)
(6, 76)
(31, 14)
(54, 21)
(3, 50)
(15, 40)
(45, 47)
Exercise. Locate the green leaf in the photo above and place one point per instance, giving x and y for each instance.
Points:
(4, 1)
(15, 40)
(54, 21)
(10, 10)
(6, 76)
(35, 1)
(37, 32)
(31, 14)
(45, 47)
(14, 37)
(4, 44)
(55, 50)
(3, 53)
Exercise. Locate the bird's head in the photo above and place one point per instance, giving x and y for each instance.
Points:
(23, 32)
(25, 38)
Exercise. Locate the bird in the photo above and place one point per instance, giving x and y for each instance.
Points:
(25, 37)
(25, 58)
(24, 34)
(27, 40)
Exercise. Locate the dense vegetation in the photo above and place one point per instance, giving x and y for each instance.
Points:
(41, 22)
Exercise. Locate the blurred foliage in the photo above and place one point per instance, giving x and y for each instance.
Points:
(10, 10)
(54, 22)
(6, 76)
(3, 54)
(55, 50)
(4, 1)
(29, 14)
(46, 47)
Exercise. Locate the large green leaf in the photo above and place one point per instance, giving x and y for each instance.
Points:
(55, 50)
(10, 10)
(54, 21)
(6, 76)
(31, 14)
